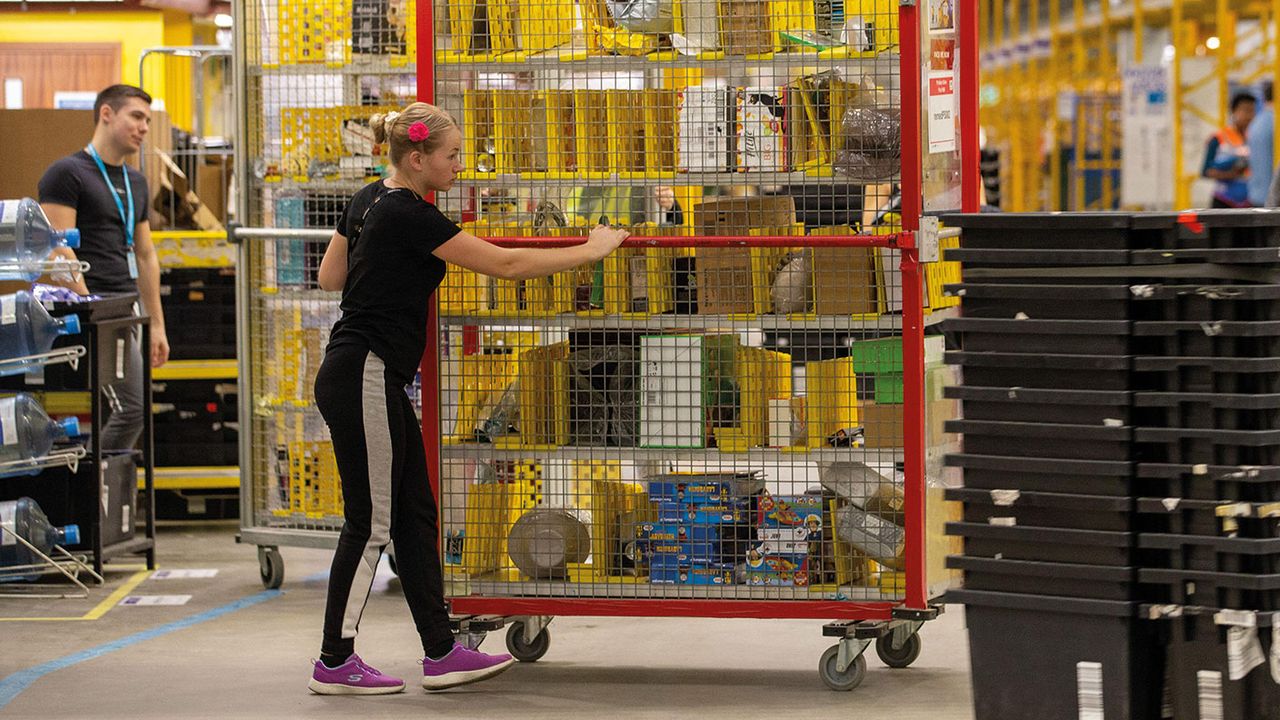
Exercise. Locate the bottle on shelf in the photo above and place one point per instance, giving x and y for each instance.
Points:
(27, 238)
(24, 518)
(27, 433)
(27, 329)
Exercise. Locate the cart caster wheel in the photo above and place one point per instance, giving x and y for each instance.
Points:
(525, 651)
(271, 567)
(851, 678)
(898, 657)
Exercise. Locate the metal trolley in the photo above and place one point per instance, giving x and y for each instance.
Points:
(734, 415)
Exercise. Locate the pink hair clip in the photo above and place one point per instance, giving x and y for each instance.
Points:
(419, 131)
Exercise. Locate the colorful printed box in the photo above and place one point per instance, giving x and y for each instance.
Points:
(791, 511)
(777, 570)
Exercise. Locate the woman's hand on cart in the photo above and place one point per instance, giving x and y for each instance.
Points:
(603, 240)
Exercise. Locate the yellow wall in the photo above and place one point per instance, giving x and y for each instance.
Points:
(134, 30)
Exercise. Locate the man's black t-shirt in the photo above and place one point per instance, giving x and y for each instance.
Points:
(391, 274)
(76, 181)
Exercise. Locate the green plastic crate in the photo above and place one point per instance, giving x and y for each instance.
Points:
(881, 360)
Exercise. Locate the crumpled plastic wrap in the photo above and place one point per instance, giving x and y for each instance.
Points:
(792, 287)
(643, 16)
(871, 144)
(604, 408)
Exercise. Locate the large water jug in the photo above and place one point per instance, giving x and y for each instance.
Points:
(24, 518)
(26, 238)
(26, 329)
(26, 432)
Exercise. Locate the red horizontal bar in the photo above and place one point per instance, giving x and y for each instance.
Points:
(610, 607)
(676, 241)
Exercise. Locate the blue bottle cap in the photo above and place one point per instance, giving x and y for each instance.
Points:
(71, 534)
(72, 238)
(70, 325)
(70, 426)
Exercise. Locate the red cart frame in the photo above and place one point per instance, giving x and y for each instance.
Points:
(915, 606)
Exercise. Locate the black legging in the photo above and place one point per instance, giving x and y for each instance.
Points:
(378, 445)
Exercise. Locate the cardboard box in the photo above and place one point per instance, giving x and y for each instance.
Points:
(760, 140)
(844, 281)
(681, 377)
(724, 281)
(739, 215)
(704, 129)
(777, 570)
(31, 140)
(692, 574)
(791, 511)
(181, 207)
(882, 425)
(734, 511)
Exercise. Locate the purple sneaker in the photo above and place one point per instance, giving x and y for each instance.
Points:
(462, 666)
(353, 677)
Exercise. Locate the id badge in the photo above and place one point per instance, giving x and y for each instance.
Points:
(133, 265)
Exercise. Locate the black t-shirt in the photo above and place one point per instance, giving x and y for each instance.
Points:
(76, 181)
(391, 274)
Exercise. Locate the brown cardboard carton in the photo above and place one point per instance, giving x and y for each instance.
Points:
(882, 425)
(31, 140)
(724, 275)
(844, 281)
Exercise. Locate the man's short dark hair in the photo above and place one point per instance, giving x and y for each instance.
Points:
(1242, 97)
(115, 97)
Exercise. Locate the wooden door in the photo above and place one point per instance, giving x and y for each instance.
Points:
(46, 68)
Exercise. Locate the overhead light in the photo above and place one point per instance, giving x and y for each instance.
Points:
(1213, 43)
(222, 20)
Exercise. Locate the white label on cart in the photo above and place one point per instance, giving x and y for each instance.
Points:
(1112, 422)
(119, 358)
(139, 600)
(1200, 469)
(9, 421)
(1238, 618)
(8, 521)
(1005, 498)
(1171, 504)
(8, 212)
(184, 573)
(1003, 521)
(1244, 651)
(1089, 690)
(1209, 690)
(126, 519)
(1275, 649)
(8, 309)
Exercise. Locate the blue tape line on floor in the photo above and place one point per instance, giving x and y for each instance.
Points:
(14, 684)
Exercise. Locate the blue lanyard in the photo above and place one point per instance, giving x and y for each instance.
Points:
(126, 220)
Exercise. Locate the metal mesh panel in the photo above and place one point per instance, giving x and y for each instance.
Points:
(713, 411)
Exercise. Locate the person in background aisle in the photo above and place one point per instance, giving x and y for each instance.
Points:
(387, 256)
(1261, 141)
(1226, 157)
(96, 191)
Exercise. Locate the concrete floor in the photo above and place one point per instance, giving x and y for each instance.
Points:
(251, 659)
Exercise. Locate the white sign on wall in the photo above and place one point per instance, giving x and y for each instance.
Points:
(1146, 166)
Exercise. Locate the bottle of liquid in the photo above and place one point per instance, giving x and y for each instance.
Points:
(26, 238)
(26, 328)
(26, 432)
(24, 518)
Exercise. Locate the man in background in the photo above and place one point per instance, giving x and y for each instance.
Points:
(1261, 141)
(96, 191)
(1226, 157)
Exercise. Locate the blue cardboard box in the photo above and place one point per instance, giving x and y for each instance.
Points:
(731, 511)
(692, 574)
(666, 543)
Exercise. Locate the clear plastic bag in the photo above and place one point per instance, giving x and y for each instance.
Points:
(871, 144)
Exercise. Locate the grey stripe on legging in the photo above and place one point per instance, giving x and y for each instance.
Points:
(377, 440)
